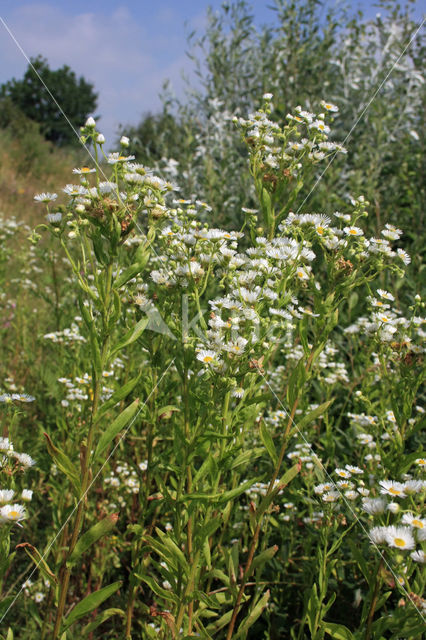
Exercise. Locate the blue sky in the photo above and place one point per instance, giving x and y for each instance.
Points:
(127, 49)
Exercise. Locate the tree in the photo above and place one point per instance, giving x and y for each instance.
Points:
(75, 97)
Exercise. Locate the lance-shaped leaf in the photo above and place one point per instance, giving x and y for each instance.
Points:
(91, 536)
(115, 427)
(263, 558)
(89, 603)
(116, 397)
(283, 482)
(314, 414)
(254, 615)
(336, 631)
(105, 615)
(133, 334)
(38, 560)
(128, 274)
(64, 464)
(268, 442)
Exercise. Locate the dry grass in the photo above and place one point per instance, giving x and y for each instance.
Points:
(30, 165)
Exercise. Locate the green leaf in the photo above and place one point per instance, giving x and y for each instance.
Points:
(128, 274)
(173, 550)
(246, 456)
(314, 414)
(89, 603)
(39, 561)
(253, 616)
(268, 442)
(119, 423)
(64, 464)
(105, 615)
(297, 379)
(165, 413)
(167, 594)
(337, 631)
(219, 624)
(91, 536)
(116, 397)
(290, 474)
(263, 558)
(131, 336)
(312, 608)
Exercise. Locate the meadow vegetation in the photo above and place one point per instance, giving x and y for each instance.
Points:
(212, 349)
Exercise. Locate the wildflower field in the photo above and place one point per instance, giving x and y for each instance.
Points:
(212, 352)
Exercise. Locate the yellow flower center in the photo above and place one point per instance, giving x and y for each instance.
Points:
(320, 230)
(395, 492)
(353, 232)
(85, 170)
(328, 106)
(417, 523)
(14, 515)
(400, 542)
(207, 359)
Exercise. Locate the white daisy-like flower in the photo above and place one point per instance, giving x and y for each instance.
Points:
(39, 597)
(374, 506)
(302, 274)
(6, 495)
(353, 469)
(24, 459)
(412, 486)
(377, 535)
(342, 473)
(418, 556)
(322, 488)
(328, 106)
(45, 197)
(320, 126)
(353, 231)
(5, 444)
(207, 356)
(395, 489)
(404, 256)
(400, 537)
(54, 217)
(74, 190)
(83, 171)
(12, 513)
(385, 294)
(331, 496)
(414, 521)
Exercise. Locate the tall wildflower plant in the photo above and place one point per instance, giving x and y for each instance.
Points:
(209, 399)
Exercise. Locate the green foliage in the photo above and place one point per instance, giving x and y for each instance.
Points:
(32, 97)
(234, 431)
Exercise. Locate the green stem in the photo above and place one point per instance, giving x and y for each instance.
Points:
(254, 543)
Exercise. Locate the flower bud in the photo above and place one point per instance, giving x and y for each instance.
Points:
(90, 123)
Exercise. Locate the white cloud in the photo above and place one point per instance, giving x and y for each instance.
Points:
(125, 60)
